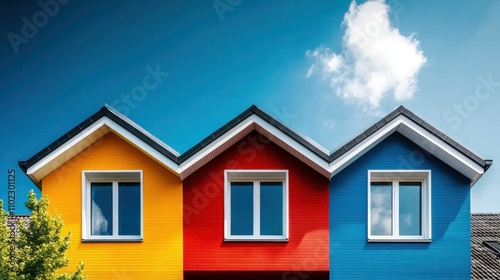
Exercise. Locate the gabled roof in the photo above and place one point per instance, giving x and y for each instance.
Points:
(254, 119)
(485, 263)
(90, 131)
(109, 120)
(420, 132)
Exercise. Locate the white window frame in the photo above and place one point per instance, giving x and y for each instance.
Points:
(114, 176)
(396, 176)
(255, 176)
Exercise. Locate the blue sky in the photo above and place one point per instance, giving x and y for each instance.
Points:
(302, 62)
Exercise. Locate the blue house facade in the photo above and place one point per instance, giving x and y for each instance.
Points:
(400, 203)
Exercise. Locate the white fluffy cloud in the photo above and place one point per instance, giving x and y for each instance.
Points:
(376, 61)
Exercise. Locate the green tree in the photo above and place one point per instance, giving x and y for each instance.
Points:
(4, 245)
(39, 250)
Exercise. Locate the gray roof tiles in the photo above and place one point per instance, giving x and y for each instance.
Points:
(485, 263)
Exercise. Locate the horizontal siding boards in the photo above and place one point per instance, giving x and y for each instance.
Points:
(159, 256)
(446, 257)
(254, 275)
(204, 246)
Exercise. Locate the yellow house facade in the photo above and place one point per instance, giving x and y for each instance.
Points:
(114, 186)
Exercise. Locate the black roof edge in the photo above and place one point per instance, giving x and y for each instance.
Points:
(283, 128)
(104, 111)
(241, 117)
(213, 136)
(22, 165)
(63, 139)
(401, 110)
(123, 123)
(487, 164)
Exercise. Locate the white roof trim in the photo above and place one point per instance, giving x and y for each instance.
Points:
(297, 149)
(251, 120)
(142, 130)
(104, 121)
(155, 154)
(205, 151)
(444, 146)
(293, 143)
(359, 149)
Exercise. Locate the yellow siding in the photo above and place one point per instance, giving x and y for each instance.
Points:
(159, 256)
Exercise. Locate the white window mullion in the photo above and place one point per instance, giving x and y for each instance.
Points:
(115, 208)
(88, 207)
(395, 204)
(424, 209)
(256, 208)
(285, 209)
(227, 207)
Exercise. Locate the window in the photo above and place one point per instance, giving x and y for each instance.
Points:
(399, 206)
(112, 205)
(256, 205)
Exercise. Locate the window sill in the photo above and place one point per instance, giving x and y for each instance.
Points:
(399, 240)
(112, 240)
(265, 240)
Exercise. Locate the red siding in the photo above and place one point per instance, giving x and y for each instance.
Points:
(204, 246)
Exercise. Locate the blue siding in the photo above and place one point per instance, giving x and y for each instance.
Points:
(446, 257)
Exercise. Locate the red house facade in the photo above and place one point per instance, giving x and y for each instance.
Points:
(258, 209)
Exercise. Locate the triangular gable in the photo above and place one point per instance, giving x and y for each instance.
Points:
(418, 131)
(90, 131)
(108, 120)
(254, 119)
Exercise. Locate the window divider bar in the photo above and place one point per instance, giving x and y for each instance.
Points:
(256, 208)
(395, 202)
(115, 209)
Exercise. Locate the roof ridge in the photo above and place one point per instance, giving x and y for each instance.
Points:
(254, 110)
(401, 110)
(310, 145)
(106, 108)
(115, 116)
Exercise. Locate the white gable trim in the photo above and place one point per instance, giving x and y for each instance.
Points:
(414, 131)
(142, 130)
(113, 126)
(205, 151)
(258, 123)
(358, 150)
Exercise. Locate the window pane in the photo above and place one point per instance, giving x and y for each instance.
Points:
(129, 209)
(242, 208)
(271, 208)
(381, 208)
(101, 209)
(410, 209)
